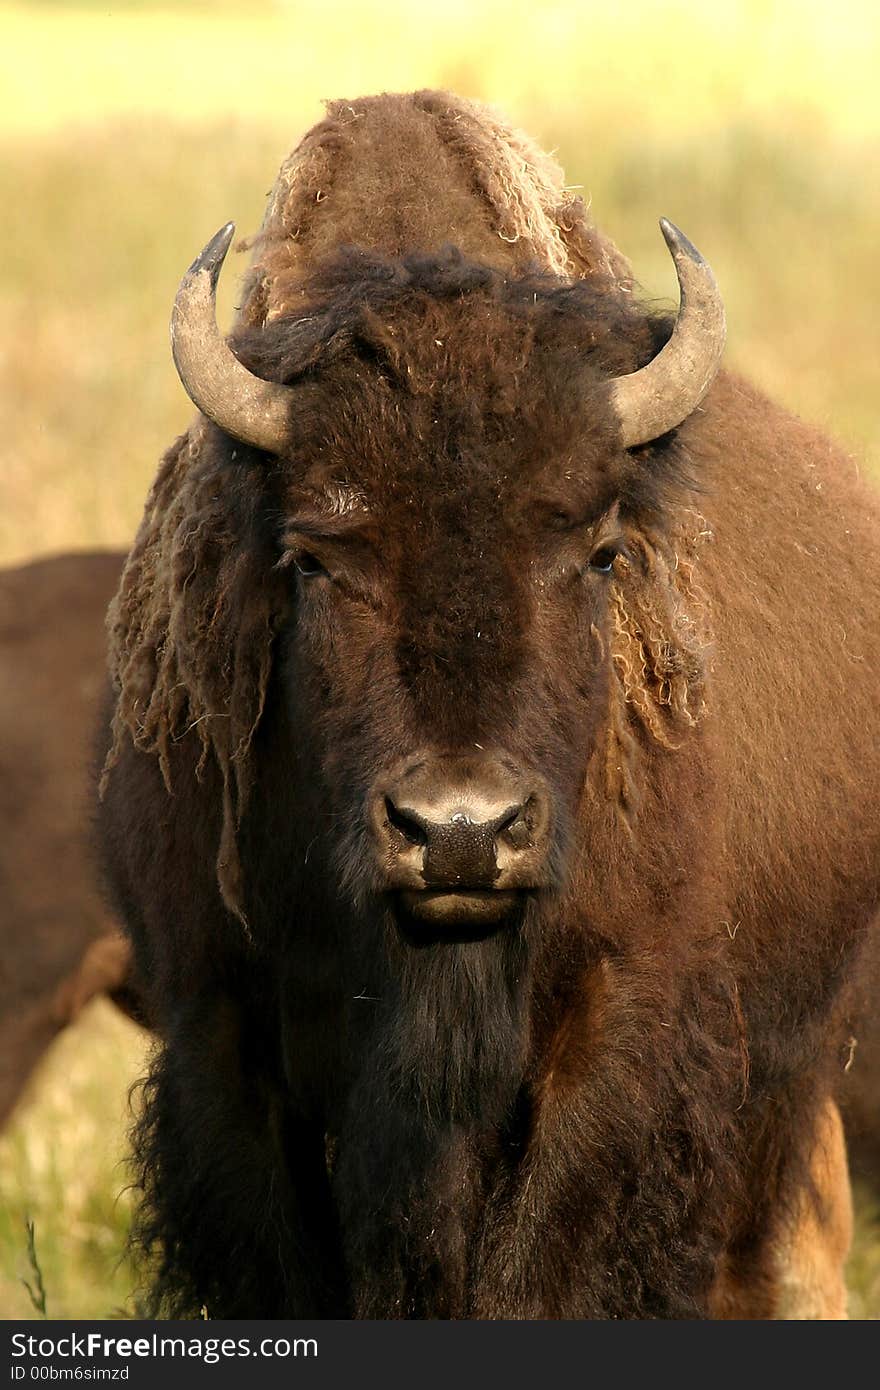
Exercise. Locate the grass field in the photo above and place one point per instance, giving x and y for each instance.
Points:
(127, 139)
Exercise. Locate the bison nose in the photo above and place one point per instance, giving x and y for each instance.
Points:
(479, 828)
(461, 851)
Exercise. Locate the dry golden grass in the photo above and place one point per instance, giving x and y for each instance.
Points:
(62, 1167)
(127, 140)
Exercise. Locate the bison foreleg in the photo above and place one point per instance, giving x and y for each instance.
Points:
(236, 1209)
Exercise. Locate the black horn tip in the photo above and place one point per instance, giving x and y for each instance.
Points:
(677, 241)
(213, 255)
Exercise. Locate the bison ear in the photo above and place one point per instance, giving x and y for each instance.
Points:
(255, 411)
(654, 400)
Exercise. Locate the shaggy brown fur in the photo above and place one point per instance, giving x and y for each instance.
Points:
(595, 1112)
(51, 913)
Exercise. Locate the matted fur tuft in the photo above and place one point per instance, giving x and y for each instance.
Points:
(191, 628)
(660, 629)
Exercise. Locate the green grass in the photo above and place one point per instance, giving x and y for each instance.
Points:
(126, 140)
(863, 1271)
(63, 1172)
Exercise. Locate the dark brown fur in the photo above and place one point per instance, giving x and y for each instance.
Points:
(588, 1115)
(58, 943)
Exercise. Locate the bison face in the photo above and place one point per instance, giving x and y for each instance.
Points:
(446, 475)
(445, 669)
(454, 518)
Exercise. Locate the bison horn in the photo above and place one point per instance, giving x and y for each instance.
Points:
(245, 406)
(659, 396)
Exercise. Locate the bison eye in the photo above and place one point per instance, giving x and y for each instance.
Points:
(602, 559)
(308, 565)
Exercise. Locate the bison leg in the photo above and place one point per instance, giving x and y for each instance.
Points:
(812, 1255)
(106, 968)
(236, 1206)
(797, 1271)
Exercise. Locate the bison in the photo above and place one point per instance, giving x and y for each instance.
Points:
(491, 777)
(59, 944)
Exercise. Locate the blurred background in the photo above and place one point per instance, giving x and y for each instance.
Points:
(130, 131)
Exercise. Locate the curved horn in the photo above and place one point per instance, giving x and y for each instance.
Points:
(659, 396)
(245, 406)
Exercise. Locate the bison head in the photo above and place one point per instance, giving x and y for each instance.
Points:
(435, 496)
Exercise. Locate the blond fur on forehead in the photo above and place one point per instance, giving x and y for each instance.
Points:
(498, 196)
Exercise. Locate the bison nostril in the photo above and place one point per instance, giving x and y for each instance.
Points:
(409, 827)
(516, 825)
(508, 821)
(518, 834)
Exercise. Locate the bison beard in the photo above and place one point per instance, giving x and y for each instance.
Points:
(443, 1032)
